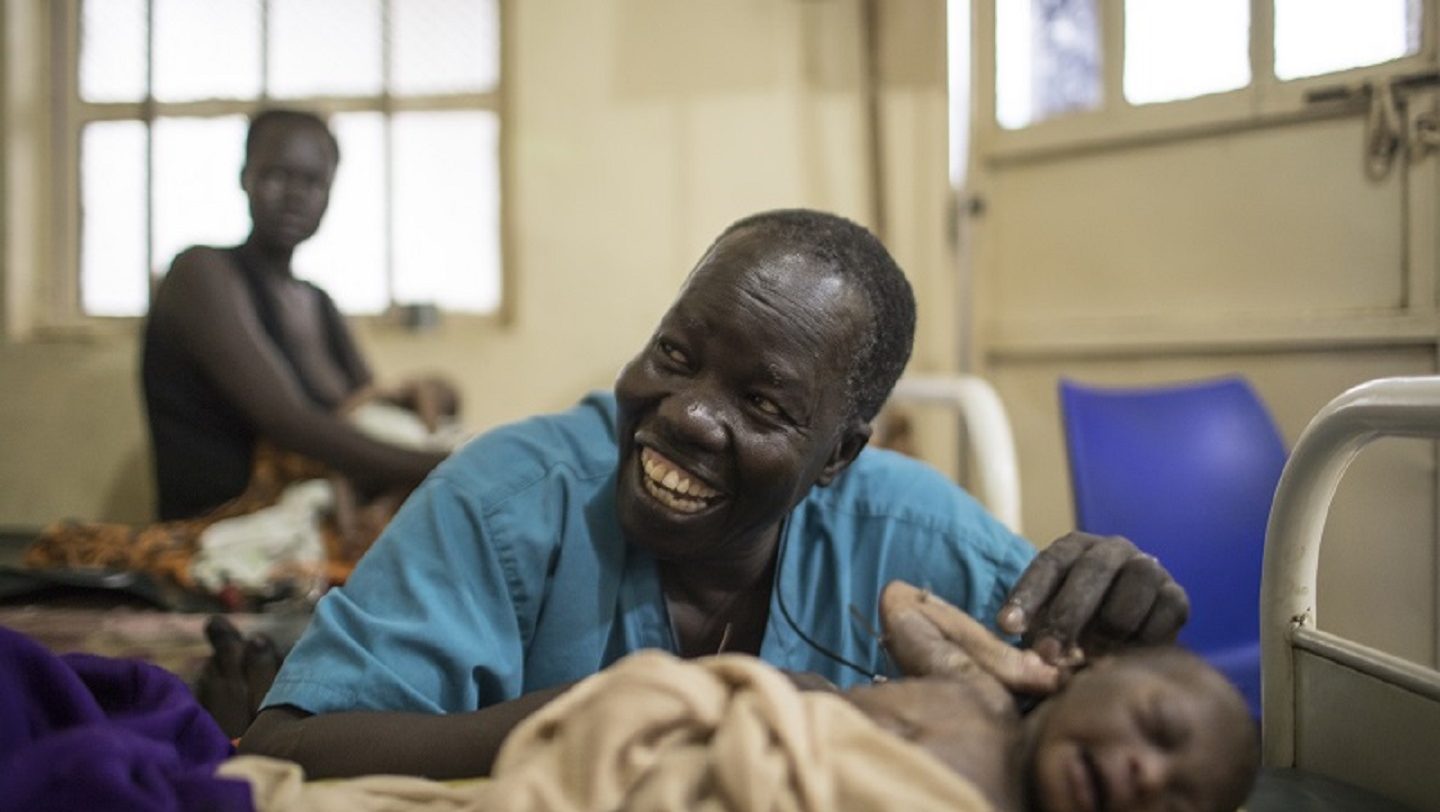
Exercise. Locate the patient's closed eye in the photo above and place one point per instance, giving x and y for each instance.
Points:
(1162, 723)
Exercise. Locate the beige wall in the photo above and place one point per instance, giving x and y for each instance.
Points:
(635, 131)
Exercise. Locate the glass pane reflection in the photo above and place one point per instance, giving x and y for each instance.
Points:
(206, 50)
(324, 47)
(444, 46)
(1047, 60)
(1321, 36)
(196, 177)
(112, 50)
(1180, 49)
(113, 279)
(447, 210)
(346, 256)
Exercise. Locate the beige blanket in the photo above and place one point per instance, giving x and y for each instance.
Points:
(657, 733)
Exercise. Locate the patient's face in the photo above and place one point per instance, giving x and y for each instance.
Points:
(1131, 733)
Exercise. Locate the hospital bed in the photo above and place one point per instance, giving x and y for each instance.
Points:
(987, 432)
(1334, 709)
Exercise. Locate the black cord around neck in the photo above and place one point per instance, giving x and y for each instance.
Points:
(785, 612)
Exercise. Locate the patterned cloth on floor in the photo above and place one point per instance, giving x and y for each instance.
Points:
(83, 732)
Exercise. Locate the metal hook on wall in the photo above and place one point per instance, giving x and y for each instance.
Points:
(1385, 130)
(1390, 130)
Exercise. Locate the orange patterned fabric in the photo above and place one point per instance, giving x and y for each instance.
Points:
(165, 549)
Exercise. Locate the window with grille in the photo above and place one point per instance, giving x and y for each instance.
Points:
(161, 95)
(1050, 54)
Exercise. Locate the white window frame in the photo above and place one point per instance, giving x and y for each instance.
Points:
(1265, 101)
(43, 263)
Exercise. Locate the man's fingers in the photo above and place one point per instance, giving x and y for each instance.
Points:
(1169, 613)
(1126, 606)
(1039, 582)
(1073, 606)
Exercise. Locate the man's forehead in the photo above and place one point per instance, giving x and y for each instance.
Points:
(770, 270)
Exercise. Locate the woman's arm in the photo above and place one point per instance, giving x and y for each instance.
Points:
(350, 743)
(204, 302)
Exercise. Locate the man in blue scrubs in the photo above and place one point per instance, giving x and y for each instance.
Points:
(720, 499)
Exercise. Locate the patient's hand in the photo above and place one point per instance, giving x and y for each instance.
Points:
(431, 397)
(929, 637)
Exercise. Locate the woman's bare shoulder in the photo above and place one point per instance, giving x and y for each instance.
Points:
(198, 275)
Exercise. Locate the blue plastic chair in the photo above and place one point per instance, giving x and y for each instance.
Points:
(1188, 473)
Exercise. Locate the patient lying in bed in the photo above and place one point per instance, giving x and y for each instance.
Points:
(1152, 729)
(1147, 729)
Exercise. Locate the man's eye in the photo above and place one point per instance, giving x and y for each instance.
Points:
(672, 352)
(766, 405)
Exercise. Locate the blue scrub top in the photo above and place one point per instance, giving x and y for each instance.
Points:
(507, 572)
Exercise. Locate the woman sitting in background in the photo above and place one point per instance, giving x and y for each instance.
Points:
(254, 384)
(237, 350)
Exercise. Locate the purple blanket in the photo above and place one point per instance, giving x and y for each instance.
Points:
(79, 731)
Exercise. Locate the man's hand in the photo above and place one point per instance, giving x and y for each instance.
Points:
(1089, 595)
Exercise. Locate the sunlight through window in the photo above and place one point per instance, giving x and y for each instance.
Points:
(1047, 60)
(161, 98)
(1322, 36)
(1179, 49)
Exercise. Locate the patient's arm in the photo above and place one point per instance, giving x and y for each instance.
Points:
(351, 743)
(200, 300)
(929, 637)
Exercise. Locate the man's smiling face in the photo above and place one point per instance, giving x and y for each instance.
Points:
(738, 404)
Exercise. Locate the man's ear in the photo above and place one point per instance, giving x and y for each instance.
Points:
(852, 441)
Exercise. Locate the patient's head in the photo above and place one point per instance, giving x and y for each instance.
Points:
(1150, 729)
(1147, 729)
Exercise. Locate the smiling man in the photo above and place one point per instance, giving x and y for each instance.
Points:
(720, 499)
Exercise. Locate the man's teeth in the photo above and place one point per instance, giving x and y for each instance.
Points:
(673, 486)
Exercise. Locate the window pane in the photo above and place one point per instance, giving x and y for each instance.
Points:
(112, 50)
(113, 279)
(324, 47)
(1180, 49)
(196, 175)
(207, 50)
(1321, 36)
(444, 46)
(1047, 59)
(957, 42)
(346, 256)
(447, 210)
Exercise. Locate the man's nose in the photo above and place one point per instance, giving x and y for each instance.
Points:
(697, 417)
